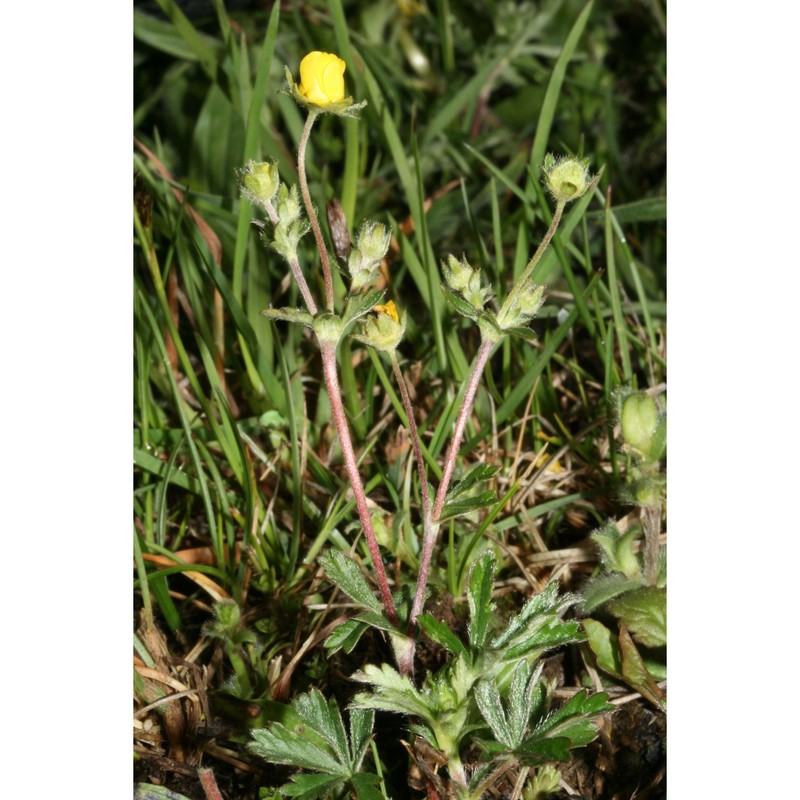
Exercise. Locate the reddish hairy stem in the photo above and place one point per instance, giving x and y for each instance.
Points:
(328, 351)
(431, 529)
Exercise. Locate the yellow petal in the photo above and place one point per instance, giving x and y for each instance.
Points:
(390, 309)
(322, 78)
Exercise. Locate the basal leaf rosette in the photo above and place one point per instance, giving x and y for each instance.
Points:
(321, 87)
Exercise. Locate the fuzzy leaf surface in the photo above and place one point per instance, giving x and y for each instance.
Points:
(440, 633)
(347, 575)
(644, 613)
(479, 596)
(483, 472)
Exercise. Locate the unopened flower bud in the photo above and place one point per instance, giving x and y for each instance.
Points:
(259, 182)
(364, 260)
(567, 177)
(461, 277)
(639, 419)
(524, 306)
(287, 203)
(322, 78)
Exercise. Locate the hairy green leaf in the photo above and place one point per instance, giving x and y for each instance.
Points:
(479, 596)
(439, 632)
(346, 636)
(345, 573)
(483, 472)
(644, 613)
(466, 505)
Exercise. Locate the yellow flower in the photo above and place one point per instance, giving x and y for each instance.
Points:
(322, 78)
(390, 309)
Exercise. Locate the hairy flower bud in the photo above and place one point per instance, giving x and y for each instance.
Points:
(461, 277)
(364, 260)
(384, 329)
(524, 306)
(643, 427)
(259, 182)
(567, 177)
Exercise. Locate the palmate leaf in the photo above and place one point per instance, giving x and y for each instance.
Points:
(317, 741)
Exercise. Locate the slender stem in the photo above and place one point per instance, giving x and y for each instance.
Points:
(432, 527)
(328, 351)
(312, 215)
(534, 260)
(294, 265)
(415, 440)
(429, 528)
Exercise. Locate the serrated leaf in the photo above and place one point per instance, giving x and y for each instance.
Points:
(282, 746)
(483, 472)
(458, 303)
(289, 315)
(361, 723)
(573, 719)
(546, 637)
(310, 787)
(488, 698)
(479, 596)
(391, 692)
(440, 633)
(644, 613)
(346, 574)
(346, 636)
(366, 785)
(466, 505)
(540, 750)
(323, 717)
(547, 606)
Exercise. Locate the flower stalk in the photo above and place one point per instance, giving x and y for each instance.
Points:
(310, 211)
(328, 351)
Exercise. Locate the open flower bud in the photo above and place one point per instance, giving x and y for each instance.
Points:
(322, 78)
(567, 177)
(384, 329)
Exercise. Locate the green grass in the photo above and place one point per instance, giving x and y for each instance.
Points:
(234, 447)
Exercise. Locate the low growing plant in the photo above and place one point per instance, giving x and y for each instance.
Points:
(631, 586)
(487, 714)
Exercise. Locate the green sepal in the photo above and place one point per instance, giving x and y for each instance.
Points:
(458, 303)
(523, 333)
(346, 108)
